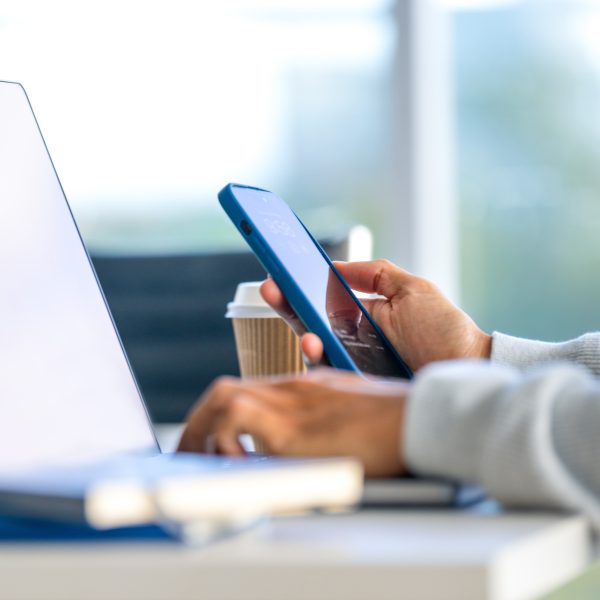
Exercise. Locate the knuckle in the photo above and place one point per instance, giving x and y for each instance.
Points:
(385, 263)
(382, 265)
(237, 408)
(382, 270)
(423, 286)
(226, 381)
(222, 389)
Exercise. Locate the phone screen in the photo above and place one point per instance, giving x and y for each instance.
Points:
(295, 248)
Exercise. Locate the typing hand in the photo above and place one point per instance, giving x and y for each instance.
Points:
(324, 413)
(421, 323)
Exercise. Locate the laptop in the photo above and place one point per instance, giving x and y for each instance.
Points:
(76, 440)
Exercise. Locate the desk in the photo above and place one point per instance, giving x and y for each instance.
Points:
(480, 553)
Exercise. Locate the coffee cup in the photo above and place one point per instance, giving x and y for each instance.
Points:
(265, 344)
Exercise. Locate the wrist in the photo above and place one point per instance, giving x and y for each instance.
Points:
(485, 346)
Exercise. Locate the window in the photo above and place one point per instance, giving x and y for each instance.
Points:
(150, 107)
(527, 80)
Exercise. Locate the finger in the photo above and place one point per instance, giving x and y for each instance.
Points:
(202, 420)
(195, 433)
(275, 299)
(312, 349)
(225, 390)
(228, 442)
(250, 415)
(376, 277)
(208, 429)
(342, 311)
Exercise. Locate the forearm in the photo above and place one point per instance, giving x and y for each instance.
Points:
(522, 353)
(529, 440)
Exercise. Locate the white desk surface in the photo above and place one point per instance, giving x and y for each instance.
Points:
(370, 555)
(374, 555)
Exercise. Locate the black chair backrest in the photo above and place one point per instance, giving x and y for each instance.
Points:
(170, 311)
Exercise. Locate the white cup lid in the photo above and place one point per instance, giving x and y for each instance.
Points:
(248, 303)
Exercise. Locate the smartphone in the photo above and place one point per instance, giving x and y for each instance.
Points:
(306, 276)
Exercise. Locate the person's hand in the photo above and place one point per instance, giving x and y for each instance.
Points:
(325, 413)
(421, 323)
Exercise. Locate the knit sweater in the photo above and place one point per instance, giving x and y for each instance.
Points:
(527, 430)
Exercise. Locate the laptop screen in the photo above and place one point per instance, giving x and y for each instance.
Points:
(66, 390)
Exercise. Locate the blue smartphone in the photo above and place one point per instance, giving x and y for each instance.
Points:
(316, 291)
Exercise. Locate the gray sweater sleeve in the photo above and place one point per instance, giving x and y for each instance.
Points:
(531, 439)
(522, 354)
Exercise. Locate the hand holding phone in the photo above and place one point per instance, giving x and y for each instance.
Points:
(313, 287)
(420, 322)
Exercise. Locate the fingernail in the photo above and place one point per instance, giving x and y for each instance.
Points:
(309, 364)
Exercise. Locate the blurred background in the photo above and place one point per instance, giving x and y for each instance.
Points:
(464, 134)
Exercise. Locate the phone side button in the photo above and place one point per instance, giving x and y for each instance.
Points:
(262, 252)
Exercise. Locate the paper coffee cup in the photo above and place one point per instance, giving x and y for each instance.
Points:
(265, 344)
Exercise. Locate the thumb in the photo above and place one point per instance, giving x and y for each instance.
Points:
(312, 349)
(375, 277)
